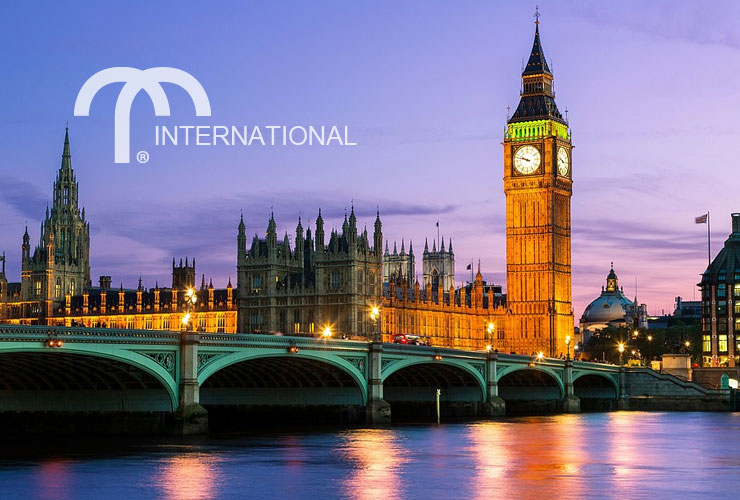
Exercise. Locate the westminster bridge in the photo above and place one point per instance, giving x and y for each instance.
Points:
(178, 379)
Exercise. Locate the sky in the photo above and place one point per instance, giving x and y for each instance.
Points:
(650, 88)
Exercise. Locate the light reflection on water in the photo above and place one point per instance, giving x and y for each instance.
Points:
(618, 455)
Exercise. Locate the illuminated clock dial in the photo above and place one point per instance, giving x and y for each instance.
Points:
(527, 160)
(563, 162)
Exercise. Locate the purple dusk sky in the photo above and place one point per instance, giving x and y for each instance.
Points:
(651, 90)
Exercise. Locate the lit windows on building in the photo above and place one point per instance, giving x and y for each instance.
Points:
(723, 343)
(720, 292)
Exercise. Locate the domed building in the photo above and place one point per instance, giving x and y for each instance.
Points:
(612, 308)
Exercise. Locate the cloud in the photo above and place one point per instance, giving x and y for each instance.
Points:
(26, 198)
(688, 22)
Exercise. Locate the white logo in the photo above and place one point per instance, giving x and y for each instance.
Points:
(135, 80)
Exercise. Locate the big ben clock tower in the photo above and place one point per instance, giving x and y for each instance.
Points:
(538, 185)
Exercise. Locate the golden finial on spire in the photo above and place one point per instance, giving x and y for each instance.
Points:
(537, 15)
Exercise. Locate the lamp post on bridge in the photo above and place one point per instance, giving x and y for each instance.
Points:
(567, 346)
(375, 316)
(620, 348)
(190, 300)
(491, 329)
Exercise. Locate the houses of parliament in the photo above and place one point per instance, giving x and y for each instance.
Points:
(334, 280)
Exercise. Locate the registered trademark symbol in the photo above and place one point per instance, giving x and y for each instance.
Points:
(142, 157)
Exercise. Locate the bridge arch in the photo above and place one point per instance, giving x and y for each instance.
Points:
(530, 389)
(410, 386)
(342, 382)
(62, 379)
(543, 373)
(596, 391)
(399, 365)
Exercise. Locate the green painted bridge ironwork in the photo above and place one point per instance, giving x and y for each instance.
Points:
(109, 370)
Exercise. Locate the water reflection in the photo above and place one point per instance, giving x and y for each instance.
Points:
(378, 460)
(611, 455)
(53, 480)
(491, 454)
(191, 476)
(534, 454)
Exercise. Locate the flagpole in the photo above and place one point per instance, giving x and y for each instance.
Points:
(709, 242)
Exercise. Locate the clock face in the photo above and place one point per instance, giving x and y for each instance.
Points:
(563, 161)
(527, 160)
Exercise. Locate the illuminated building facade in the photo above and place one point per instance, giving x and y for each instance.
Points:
(55, 287)
(720, 295)
(313, 285)
(538, 186)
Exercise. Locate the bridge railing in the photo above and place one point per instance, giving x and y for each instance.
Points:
(83, 334)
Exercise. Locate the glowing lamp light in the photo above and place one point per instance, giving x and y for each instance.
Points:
(186, 319)
(490, 328)
(374, 313)
(489, 347)
(620, 347)
(437, 357)
(635, 333)
(540, 355)
(327, 332)
(688, 344)
(567, 340)
(59, 343)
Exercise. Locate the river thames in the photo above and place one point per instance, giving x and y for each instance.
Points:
(624, 455)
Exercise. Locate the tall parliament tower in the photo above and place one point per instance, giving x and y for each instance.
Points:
(538, 186)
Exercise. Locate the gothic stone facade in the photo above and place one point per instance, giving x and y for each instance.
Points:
(538, 187)
(55, 287)
(313, 285)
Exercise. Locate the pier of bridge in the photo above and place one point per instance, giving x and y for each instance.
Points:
(152, 381)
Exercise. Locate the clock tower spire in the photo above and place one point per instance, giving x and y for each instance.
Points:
(538, 187)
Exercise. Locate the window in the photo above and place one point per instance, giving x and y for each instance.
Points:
(202, 324)
(166, 323)
(58, 288)
(72, 288)
(721, 290)
(706, 343)
(130, 323)
(221, 323)
(256, 282)
(66, 195)
(148, 323)
(336, 279)
(723, 343)
(38, 287)
(737, 324)
(736, 291)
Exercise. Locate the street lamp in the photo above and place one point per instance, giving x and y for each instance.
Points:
(650, 347)
(374, 315)
(190, 299)
(620, 348)
(635, 333)
(327, 332)
(567, 346)
(490, 328)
